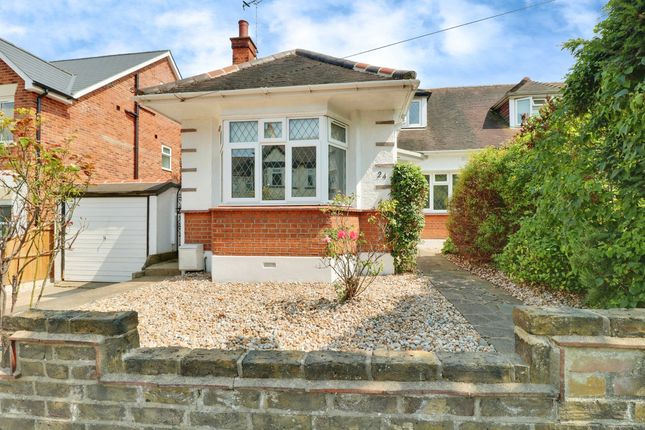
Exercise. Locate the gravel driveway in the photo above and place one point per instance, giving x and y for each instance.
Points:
(401, 312)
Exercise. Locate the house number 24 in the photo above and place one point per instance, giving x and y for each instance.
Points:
(381, 175)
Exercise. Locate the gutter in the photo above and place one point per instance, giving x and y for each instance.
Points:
(411, 154)
(39, 109)
(51, 92)
(403, 83)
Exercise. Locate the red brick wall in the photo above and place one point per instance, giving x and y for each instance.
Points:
(436, 227)
(197, 228)
(284, 230)
(104, 133)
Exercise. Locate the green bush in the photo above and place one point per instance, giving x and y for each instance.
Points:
(488, 201)
(449, 247)
(404, 214)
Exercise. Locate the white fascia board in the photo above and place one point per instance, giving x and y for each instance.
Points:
(451, 151)
(113, 78)
(412, 154)
(180, 97)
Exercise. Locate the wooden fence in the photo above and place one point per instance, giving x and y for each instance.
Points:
(36, 255)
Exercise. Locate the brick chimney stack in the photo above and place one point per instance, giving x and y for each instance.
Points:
(243, 47)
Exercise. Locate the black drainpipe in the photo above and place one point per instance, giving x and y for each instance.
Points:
(135, 115)
(39, 109)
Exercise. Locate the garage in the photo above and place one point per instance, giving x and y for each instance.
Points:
(117, 228)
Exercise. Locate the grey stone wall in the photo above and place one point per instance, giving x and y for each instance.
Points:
(85, 370)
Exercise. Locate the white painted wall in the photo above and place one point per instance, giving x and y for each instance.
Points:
(165, 229)
(362, 153)
(442, 161)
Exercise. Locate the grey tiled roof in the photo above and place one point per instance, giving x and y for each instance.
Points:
(91, 71)
(38, 70)
(460, 118)
(290, 68)
(71, 77)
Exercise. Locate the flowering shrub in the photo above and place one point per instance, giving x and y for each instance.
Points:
(354, 260)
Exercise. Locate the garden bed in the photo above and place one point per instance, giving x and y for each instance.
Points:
(395, 313)
(528, 294)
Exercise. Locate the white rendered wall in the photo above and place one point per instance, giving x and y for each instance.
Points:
(198, 152)
(166, 227)
(443, 161)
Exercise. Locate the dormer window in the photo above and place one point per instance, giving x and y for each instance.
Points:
(525, 108)
(416, 116)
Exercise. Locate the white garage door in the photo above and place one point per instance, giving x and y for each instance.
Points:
(112, 242)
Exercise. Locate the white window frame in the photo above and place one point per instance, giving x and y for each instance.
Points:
(320, 144)
(169, 155)
(450, 173)
(535, 108)
(423, 113)
(8, 99)
(340, 145)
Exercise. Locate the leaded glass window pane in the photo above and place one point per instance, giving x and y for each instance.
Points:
(303, 171)
(5, 218)
(273, 162)
(440, 197)
(303, 129)
(441, 178)
(338, 132)
(337, 172)
(7, 109)
(243, 131)
(243, 173)
(273, 130)
(454, 181)
(522, 108)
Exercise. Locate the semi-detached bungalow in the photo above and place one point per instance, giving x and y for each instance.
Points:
(266, 142)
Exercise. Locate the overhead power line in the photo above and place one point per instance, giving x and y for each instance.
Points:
(508, 12)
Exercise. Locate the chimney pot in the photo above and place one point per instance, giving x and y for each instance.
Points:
(244, 28)
(243, 47)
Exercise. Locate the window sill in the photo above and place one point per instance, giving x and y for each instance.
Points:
(166, 170)
(433, 212)
(412, 127)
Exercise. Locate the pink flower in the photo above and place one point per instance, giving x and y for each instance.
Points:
(353, 235)
(342, 234)
(327, 239)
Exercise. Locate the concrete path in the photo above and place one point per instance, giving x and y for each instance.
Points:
(70, 295)
(487, 307)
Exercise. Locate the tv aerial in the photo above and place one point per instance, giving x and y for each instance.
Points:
(246, 4)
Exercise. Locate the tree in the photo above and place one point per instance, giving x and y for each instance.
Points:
(44, 182)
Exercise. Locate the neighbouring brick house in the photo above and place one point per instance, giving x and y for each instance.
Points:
(444, 127)
(90, 100)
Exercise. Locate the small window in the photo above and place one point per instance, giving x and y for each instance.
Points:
(166, 157)
(6, 107)
(303, 129)
(272, 130)
(337, 172)
(5, 218)
(442, 186)
(338, 133)
(243, 173)
(243, 131)
(416, 115)
(526, 108)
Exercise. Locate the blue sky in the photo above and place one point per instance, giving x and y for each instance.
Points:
(197, 31)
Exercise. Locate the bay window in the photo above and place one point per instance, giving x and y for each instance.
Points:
(441, 187)
(279, 160)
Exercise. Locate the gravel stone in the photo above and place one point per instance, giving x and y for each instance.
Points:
(398, 312)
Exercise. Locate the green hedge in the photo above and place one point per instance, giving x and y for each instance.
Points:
(563, 205)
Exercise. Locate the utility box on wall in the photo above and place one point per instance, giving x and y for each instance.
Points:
(191, 257)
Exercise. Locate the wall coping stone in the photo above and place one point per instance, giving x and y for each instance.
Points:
(77, 322)
(553, 321)
(600, 342)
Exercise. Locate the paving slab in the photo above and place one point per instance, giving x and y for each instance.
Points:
(488, 308)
